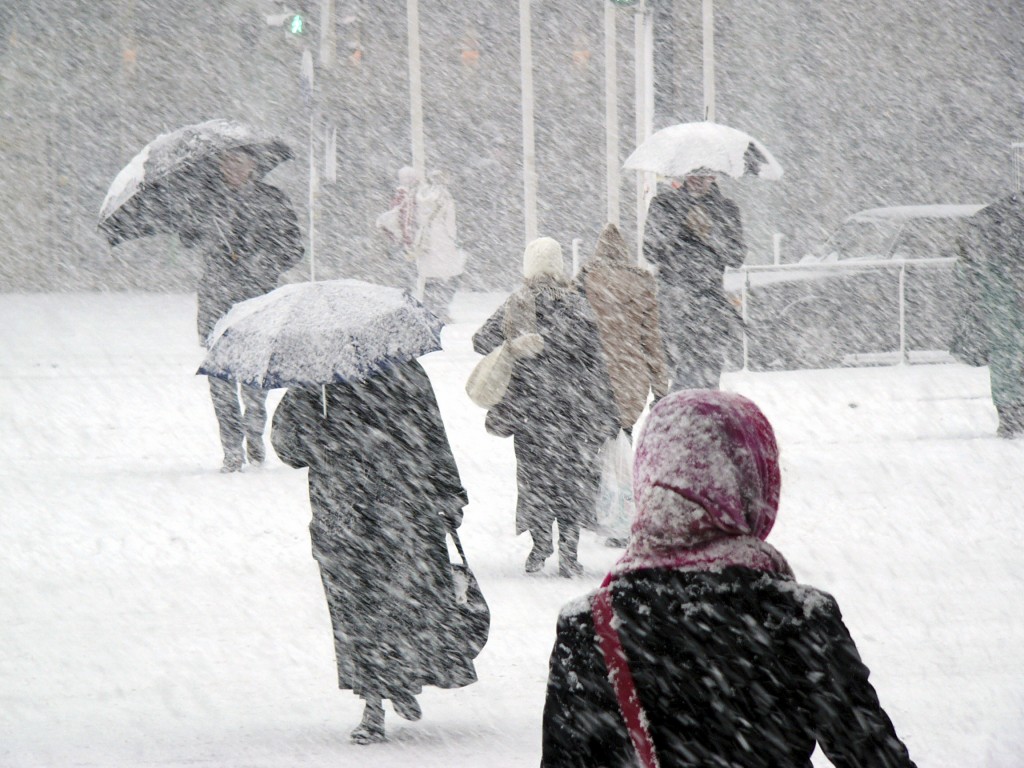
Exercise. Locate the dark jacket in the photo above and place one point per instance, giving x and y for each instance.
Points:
(381, 475)
(248, 238)
(559, 404)
(991, 286)
(566, 387)
(689, 255)
(736, 668)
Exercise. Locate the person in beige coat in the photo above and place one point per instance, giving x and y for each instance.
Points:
(623, 296)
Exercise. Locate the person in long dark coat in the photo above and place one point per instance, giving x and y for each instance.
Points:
(990, 275)
(692, 233)
(248, 235)
(383, 486)
(559, 405)
(734, 663)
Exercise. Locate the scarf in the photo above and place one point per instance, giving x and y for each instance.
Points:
(706, 481)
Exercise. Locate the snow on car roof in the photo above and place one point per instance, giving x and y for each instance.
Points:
(946, 211)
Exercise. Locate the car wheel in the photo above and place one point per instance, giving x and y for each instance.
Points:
(813, 341)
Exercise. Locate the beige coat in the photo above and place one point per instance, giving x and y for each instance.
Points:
(624, 299)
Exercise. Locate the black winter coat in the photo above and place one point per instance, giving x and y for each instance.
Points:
(248, 238)
(381, 475)
(560, 407)
(684, 259)
(733, 669)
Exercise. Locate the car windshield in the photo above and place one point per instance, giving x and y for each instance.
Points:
(860, 240)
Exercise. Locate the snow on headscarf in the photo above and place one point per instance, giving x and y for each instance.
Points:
(706, 481)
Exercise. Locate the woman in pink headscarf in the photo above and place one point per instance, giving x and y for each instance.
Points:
(701, 649)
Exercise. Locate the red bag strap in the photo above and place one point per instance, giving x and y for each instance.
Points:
(621, 677)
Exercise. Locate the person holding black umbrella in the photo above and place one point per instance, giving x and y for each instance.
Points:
(203, 183)
(248, 235)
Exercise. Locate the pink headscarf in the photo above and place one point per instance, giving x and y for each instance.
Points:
(706, 481)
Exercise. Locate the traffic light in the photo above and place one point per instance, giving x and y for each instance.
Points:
(296, 24)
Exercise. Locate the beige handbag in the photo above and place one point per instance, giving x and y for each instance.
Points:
(488, 382)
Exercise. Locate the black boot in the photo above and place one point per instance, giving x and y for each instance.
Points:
(568, 543)
(371, 729)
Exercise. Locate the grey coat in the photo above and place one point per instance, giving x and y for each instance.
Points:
(382, 478)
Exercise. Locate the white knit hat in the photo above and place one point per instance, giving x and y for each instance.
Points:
(543, 256)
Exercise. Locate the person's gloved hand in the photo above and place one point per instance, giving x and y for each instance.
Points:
(453, 516)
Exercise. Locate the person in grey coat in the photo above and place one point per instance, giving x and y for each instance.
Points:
(248, 235)
(990, 280)
(383, 486)
(692, 233)
(559, 405)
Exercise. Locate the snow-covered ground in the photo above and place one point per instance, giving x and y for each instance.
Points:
(154, 612)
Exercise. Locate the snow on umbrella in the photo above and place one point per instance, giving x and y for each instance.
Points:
(310, 334)
(681, 149)
(151, 193)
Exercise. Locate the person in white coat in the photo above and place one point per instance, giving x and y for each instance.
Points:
(439, 260)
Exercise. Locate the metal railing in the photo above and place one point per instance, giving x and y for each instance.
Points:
(838, 266)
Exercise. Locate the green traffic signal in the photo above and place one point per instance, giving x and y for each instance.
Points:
(297, 24)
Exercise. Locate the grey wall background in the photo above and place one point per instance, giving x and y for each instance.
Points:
(868, 103)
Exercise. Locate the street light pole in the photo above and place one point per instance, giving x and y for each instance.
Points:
(611, 115)
(419, 160)
(529, 143)
(709, 59)
(643, 45)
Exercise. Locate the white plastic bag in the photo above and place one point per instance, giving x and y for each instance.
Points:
(615, 506)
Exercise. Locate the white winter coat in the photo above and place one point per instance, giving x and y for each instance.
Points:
(435, 248)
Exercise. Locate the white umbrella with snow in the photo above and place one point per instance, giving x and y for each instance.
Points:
(311, 334)
(686, 147)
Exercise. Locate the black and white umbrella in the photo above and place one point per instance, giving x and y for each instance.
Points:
(170, 176)
(312, 334)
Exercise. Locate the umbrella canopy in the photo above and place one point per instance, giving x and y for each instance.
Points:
(687, 147)
(151, 193)
(308, 334)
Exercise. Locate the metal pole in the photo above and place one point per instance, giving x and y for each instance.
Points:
(744, 301)
(310, 85)
(903, 314)
(611, 115)
(312, 202)
(643, 46)
(640, 76)
(327, 41)
(709, 60)
(529, 144)
(419, 162)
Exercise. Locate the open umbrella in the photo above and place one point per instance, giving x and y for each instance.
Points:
(310, 334)
(152, 193)
(681, 149)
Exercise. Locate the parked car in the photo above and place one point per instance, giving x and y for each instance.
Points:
(841, 304)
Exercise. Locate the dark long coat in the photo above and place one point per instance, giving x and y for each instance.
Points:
(559, 406)
(381, 473)
(692, 240)
(991, 283)
(736, 668)
(248, 238)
